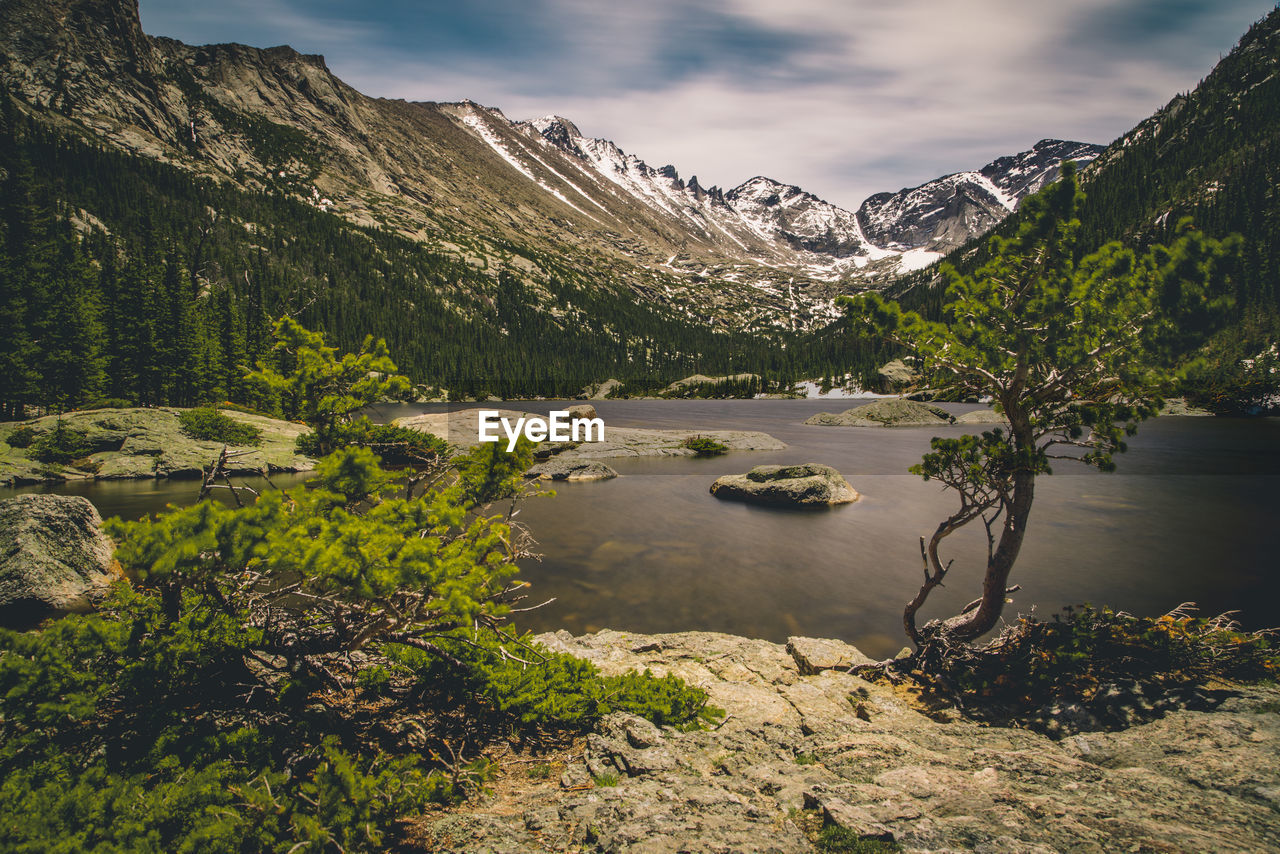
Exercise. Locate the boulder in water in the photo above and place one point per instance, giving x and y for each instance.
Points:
(576, 470)
(805, 485)
(885, 413)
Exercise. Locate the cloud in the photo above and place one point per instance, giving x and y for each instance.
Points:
(843, 98)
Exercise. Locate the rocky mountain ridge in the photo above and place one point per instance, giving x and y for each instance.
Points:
(947, 212)
(464, 179)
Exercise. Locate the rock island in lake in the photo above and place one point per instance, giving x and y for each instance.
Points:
(805, 485)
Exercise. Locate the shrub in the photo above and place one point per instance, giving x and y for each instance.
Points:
(834, 839)
(22, 437)
(1098, 661)
(60, 446)
(166, 780)
(394, 445)
(541, 688)
(245, 619)
(704, 446)
(304, 379)
(207, 424)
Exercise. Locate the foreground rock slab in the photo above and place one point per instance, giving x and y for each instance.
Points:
(54, 558)
(885, 413)
(805, 746)
(805, 485)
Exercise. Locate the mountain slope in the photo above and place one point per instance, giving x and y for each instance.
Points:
(465, 180)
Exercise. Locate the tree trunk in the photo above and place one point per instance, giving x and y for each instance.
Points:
(967, 627)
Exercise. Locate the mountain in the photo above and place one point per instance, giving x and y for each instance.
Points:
(948, 212)
(1212, 156)
(465, 180)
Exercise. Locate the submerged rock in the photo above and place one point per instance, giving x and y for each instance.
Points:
(54, 558)
(885, 413)
(809, 484)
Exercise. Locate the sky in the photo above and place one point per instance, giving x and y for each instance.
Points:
(844, 98)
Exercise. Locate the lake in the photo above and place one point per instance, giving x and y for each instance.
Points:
(1191, 515)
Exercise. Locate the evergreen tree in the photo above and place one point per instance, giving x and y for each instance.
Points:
(71, 337)
(1072, 348)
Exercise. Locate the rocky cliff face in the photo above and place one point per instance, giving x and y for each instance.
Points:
(465, 179)
(806, 744)
(947, 212)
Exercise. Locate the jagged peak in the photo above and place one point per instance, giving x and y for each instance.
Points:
(771, 190)
(290, 54)
(556, 124)
(762, 181)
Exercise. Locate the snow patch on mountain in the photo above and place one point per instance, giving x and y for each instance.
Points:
(477, 123)
(781, 225)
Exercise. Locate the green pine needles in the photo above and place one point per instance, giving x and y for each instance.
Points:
(297, 673)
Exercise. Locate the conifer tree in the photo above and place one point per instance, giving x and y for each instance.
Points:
(309, 382)
(1073, 349)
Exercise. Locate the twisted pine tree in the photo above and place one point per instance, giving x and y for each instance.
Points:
(1073, 349)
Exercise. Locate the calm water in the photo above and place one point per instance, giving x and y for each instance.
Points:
(1191, 516)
